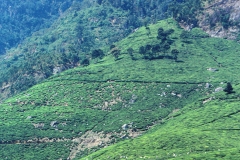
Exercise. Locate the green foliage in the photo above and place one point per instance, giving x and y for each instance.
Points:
(185, 11)
(85, 62)
(97, 53)
(61, 46)
(85, 27)
(195, 33)
(199, 131)
(115, 52)
(142, 50)
(20, 19)
(102, 97)
(164, 35)
(130, 51)
(41, 151)
(157, 51)
(229, 88)
(175, 53)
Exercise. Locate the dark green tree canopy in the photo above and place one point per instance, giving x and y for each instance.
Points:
(19, 19)
(85, 62)
(229, 88)
(97, 53)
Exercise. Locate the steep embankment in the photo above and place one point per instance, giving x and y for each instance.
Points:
(116, 98)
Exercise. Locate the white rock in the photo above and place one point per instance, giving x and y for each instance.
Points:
(125, 127)
(219, 89)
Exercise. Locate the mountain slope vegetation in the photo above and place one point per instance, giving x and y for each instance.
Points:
(200, 130)
(58, 48)
(68, 41)
(46, 47)
(19, 19)
(160, 69)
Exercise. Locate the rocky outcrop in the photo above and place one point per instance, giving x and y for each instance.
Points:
(219, 89)
(125, 127)
(220, 18)
(54, 124)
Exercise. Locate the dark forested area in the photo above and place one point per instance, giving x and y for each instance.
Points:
(21, 18)
(153, 10)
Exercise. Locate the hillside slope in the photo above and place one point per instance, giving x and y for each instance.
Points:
(64, 45)
(84, 27)
(200, 130)
(86, 108)
(88, 25)
(19, 19)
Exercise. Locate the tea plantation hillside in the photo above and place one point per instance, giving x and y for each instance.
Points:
(141, 81)
(201, 130)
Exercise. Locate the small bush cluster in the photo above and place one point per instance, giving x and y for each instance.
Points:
(160, 50)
